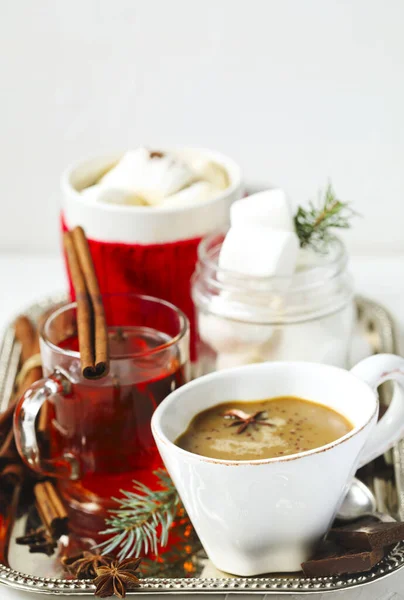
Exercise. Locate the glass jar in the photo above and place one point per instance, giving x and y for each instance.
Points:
(246, 319)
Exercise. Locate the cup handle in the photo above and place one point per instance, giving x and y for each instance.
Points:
(374, 370)
(26, 412)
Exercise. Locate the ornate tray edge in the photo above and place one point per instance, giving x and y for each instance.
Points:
(392, 563)
(389, 565)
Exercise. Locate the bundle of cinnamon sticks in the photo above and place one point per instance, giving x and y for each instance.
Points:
(15, 476)
(53, 520)
(12, 469)
(91, 322)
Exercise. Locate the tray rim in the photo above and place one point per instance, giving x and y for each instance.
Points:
(392, 563)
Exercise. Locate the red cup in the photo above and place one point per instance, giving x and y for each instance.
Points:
(142, 249)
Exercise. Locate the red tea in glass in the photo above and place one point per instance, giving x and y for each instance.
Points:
(98, 432)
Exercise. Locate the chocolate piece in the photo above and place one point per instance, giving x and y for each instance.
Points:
(368, 534)
(332, 560)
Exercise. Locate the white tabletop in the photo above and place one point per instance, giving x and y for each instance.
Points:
(29, 278)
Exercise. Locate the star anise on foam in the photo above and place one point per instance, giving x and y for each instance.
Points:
(244, 420)
(117, 578)
(85, 564)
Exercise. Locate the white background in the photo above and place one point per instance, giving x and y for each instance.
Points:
(297, 91)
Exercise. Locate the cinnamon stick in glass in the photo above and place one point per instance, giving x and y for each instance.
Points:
(91, 322)
(100, 324)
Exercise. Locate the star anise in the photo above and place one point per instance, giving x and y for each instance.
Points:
(117, 578)
(243, 419)
(85, 564)
(39, 541)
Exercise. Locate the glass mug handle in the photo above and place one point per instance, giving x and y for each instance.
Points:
(374, 371)
(25, 415)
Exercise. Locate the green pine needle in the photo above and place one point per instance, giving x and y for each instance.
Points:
(314, 224)
(143, 519)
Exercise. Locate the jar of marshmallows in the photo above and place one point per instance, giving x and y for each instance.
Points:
(262, 295)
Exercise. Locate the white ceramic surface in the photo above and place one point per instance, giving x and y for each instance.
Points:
(264, 516)
(144, 224)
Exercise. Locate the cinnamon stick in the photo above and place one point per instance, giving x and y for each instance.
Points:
(84, 316)
(50, 508)
(27, 334)
(53, 518)
(11, 478)
(8, 511)
(91, 322)
(100, 325)
(12, 475)
(8, 450)
(12, 470)
(6, 420)
(59, 333)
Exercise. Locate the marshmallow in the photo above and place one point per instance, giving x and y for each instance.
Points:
(99, 193)
(125, 174)
(256, 353)
(326, 340)
(226, 335)
(313, 341)
(152, 178)
(270, 208)
(210, 171)
(259, 251)
(91, 193)
(197, 192)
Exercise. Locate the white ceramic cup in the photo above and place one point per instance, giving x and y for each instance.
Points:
(263, 516)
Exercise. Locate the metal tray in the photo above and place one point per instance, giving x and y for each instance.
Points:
(38, 573)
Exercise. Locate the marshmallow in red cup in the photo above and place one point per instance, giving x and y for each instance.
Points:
(145, 212)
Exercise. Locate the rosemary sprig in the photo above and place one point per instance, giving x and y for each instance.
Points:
(314, 224)
(143, 519)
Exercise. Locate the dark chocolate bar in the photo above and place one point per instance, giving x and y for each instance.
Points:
(368, 534)
(331, 560)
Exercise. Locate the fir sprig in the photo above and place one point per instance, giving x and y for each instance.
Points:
(314, 224)
(143, 519)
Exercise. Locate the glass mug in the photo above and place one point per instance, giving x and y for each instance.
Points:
(98, 435)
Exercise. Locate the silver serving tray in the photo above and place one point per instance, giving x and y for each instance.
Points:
(41, 574)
